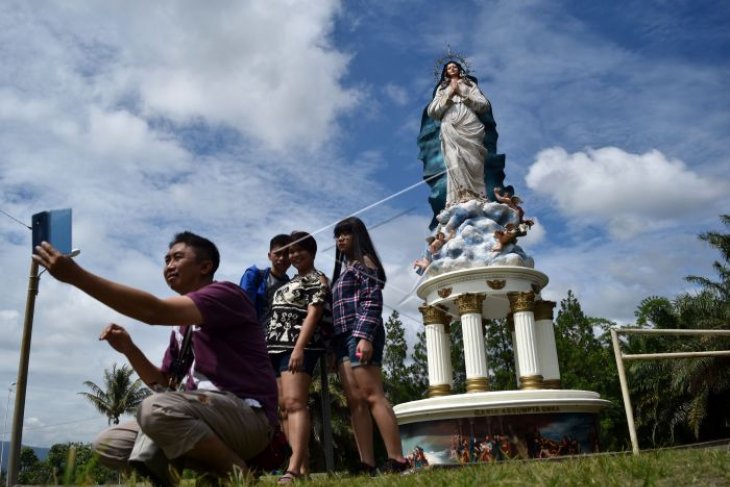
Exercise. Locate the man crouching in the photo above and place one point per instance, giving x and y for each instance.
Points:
(225, 413)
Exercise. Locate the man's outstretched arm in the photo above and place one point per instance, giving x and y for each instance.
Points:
(135, 303)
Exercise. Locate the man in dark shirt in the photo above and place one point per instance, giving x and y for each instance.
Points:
(227, 412)
(261, 284)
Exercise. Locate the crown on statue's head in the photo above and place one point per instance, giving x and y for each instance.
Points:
(450, 56)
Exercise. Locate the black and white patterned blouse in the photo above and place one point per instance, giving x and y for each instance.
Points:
(290, 307)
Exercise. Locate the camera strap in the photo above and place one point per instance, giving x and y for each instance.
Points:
(184, 359)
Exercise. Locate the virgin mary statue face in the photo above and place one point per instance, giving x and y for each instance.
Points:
(452, 70)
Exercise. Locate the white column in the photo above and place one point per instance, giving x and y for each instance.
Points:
(511, 324)
(547, 350)
(522, 305)
(475, 356)
(438, 351)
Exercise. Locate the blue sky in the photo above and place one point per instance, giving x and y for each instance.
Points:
(249, 119)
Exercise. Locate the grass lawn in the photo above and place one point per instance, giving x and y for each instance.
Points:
(705, 467)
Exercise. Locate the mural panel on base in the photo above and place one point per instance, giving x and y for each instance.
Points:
(494, 438)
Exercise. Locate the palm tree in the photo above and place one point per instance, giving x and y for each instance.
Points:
(689, 395)
(120, 394)
(721, 241)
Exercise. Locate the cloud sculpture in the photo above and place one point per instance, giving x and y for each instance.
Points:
(631, 193)
(476, 233)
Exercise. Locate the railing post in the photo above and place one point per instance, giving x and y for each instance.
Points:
(624, 390)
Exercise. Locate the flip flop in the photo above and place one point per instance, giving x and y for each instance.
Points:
(289, 477)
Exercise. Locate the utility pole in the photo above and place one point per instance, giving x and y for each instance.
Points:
(22, 382)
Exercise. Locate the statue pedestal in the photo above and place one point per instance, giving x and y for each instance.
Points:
(491, 426)
(494, 292)
(493, 281)
(538, 420)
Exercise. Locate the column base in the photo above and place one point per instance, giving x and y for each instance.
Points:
(551, 384)
(531, 382)
(439, 390)
(477, 384)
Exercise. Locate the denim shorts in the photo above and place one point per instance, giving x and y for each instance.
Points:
(280, 361)
(345, 346)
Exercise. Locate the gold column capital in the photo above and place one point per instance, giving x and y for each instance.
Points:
(470, 303)
(433, 315)
(521, 301)
(544, 310)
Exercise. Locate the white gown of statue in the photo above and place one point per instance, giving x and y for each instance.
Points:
(462, 140)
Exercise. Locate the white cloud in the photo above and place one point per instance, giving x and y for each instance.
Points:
(267, 69)
(397, 94)
(632, 193)
(611, 278)
(91, 118)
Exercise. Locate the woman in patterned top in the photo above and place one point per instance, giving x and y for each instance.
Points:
(357, 305)
(296, 311)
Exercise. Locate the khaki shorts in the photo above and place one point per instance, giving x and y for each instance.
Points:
(176, 421)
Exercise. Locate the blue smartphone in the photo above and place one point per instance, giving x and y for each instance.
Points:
(54, 227)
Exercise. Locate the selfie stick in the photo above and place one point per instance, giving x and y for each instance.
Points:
(19, 410)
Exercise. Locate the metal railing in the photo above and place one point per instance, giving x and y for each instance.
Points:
(620, 357)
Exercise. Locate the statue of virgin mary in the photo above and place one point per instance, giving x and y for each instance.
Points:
(458, 142)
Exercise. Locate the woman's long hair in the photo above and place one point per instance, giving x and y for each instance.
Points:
(362, 246)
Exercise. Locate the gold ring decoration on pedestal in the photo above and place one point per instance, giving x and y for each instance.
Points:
(477, 384)
(521, 301)
(551, 384)
(496, 284)
(470, 303)
(433, 315)
(531, 382)
(544, 310)
(439, 390)
(445, 292)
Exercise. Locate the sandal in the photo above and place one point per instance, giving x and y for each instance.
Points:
(289, 477)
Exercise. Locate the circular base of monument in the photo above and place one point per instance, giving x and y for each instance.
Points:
(492, 281)
(491, 426)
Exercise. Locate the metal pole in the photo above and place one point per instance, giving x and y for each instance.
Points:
(672, 331)
(329, 457)
(19, 411)
(625, 391)
(5, 424)
(659, 356)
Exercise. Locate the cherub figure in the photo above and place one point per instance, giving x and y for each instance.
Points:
(513, 202)
(510, 234)
(435, 242)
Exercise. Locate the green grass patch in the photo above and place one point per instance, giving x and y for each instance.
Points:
(660, 468)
